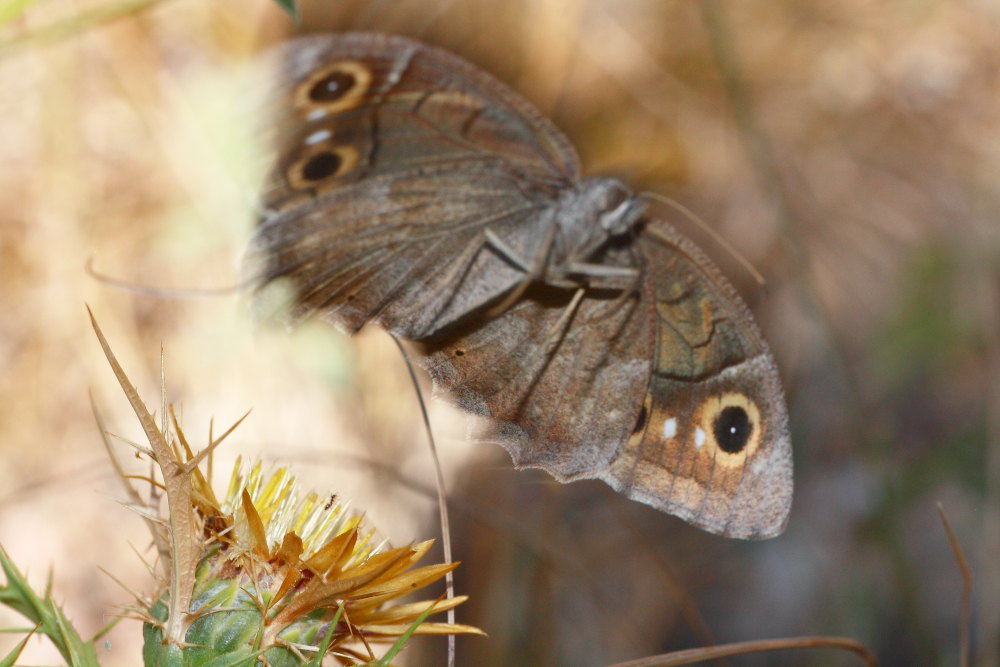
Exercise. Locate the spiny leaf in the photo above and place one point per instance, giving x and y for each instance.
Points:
(80, 652)
(11, 657)
(46, 614)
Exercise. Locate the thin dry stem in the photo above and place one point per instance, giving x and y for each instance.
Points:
(695, 655)
(963, 566)
(442, 497)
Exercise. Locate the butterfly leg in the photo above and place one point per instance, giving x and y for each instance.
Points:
(625, 279)
(458, 267)
(532, 272)
(505, 250)
(602, 271)
(557, 329)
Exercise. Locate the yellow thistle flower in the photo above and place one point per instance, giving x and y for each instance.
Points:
(264, 578)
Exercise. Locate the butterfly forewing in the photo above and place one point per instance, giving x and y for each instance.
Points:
(395, 157)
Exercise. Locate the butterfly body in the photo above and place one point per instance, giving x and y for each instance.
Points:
(417, 192)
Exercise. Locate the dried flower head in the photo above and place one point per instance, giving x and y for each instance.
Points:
(264, 577)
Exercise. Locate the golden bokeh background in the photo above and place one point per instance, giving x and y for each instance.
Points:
(850, 151)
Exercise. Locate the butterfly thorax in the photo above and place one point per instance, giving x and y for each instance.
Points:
(588, 216)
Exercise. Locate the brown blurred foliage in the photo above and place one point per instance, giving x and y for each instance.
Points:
(849, 150)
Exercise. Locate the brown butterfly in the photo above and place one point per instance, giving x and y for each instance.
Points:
(415, 191)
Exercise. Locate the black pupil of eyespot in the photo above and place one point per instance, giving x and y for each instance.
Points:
(331, 87)
(732, 429)
(321, 166)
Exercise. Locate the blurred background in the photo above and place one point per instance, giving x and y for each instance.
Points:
(850, 151)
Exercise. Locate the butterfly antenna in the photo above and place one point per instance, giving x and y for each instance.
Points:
(449, 579)
(718, 238)
(164, 292)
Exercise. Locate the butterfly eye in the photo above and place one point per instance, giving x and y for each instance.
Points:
(619, 209)
(615, 198)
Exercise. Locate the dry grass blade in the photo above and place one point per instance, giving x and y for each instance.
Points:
(695, 655)
(963, 566)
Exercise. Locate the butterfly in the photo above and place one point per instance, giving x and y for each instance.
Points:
(415, 191)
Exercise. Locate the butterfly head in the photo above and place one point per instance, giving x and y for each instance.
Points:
(619, 208)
